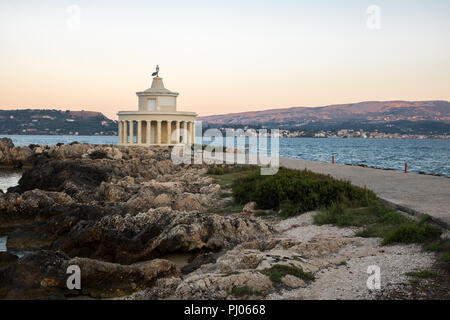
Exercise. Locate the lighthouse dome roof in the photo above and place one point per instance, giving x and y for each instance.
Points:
(157, 88)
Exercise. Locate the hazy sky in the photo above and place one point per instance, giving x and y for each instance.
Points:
(222, 56)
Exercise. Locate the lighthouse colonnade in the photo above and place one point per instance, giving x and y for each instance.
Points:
(148, 132)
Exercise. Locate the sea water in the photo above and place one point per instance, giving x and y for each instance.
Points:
(429, 156)
(3, 244)
(9, 178)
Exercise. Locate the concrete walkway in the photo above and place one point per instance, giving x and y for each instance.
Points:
(413, 193)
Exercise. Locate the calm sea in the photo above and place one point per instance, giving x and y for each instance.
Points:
(428, 155)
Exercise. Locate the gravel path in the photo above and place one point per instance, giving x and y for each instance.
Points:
(349, 281)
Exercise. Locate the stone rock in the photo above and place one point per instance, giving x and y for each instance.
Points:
(77, 178)
(31, 205)
(197, 262)
(445, 234)
(111, 192)
(6, 143)
(21, 155)
(141, 201)
(162, 200)
(319, 246)
(164, 288)
(68, 151)
(7, 258)
(136, 237)
(169, 188)
(249, 207)
(293, 282)
(43, 273)
(101, 279)
(210, 189)
(101, 152)
(24, 277)
(220, 286)
(14, 156)
(188, 202)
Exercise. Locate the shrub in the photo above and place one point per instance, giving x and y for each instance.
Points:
(297, 191)
(412, 232)
(226, 169)
(339, 214)
(215, 170)
(289, 209)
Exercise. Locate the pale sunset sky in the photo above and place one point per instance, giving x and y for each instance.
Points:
(222, 56)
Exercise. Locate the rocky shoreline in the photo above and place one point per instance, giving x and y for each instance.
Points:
(118, 212)
(115, 208)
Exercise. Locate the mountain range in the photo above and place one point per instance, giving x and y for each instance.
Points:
(391, 116)
(371, 111)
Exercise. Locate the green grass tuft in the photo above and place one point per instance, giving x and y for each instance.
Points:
(278, 271)
(442, 249)
(446, 257)
(379, 221)
(422, 274)
(412, 232)
(244, 291)
(225, 175)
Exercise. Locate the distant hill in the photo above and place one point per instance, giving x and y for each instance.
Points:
(55, 122)
(407, 116)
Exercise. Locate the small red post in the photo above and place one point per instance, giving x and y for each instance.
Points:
(406, 167)
(332, 159)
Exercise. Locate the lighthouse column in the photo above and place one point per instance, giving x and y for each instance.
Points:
(148, 132)
(125, 131)
(120, 134)
(131, 131)
(169, 132)
(177, 131)
(158, 132)
(139, 132)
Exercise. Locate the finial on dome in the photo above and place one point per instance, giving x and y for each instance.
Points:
(157, 72)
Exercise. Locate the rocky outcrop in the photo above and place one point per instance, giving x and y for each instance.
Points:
(43, 274)
(164, 288)
(187, 202)
(19, 156)
(77, 178)
(6, 259)
(219, 286)
(103, 279)
(82, 183)
(14, 156)
(115, 211)
(6, 144)
(150, 234)
(31, 205)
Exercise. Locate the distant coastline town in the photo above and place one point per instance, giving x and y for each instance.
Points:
(339, 134)
(433, 122)
(350, 133)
